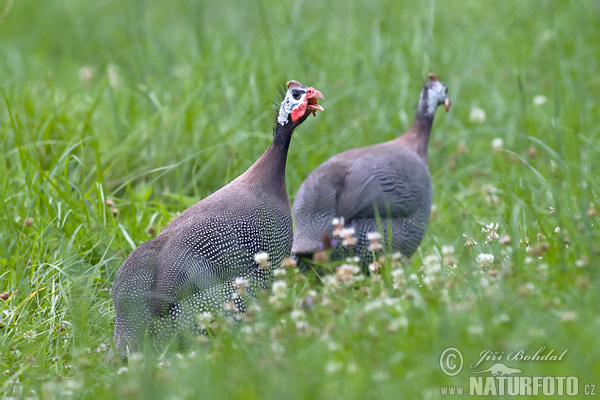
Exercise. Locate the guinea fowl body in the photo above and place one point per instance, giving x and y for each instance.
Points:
(389, 180)
(192, 265)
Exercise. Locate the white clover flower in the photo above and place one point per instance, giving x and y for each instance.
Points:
(241, 284)
(581, 262)
(397, 274)
(339, 226)
(101, 348)
(261, 258)
(346, 272)
(470, 241)
(477, 115)
(205, 318)
(539, 100)
(279, 272)
(447, 250)
(230, 306)
(475, 330)
(500, 318)
(279, 288)
(29, 335)
(432, 263)
(485, 260)
(348, 232)
(373, 236)
(114, 80)
(374, 267)
(497, 145)
(86, 73)
(397, 323)
(301, 325)
(333, 366)
(490, 229)
(297, 315)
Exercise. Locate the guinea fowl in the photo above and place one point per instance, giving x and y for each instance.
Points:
(193, 264)
(389, 179)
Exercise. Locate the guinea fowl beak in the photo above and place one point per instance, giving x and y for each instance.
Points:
(311, 96)
(447, 103)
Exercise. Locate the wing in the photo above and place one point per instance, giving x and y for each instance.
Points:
(391, 184)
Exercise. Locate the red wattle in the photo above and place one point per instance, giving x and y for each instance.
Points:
(299, 112)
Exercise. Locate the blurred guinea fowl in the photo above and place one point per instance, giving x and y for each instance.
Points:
(192, 265)
(389, 179)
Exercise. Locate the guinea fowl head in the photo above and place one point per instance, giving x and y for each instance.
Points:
(298, 103)
(434, 94)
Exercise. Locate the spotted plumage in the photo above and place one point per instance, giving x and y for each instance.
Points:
(388, 181)
(192, 265)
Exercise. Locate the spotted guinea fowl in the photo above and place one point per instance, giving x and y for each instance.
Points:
(192, 265)
(389, 179)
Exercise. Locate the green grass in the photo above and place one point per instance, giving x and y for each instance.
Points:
(177, 102)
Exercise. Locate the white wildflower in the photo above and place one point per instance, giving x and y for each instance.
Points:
(333, 366)
(121, 370)
(230, 306)
(475, 330)
(261, 258)
(491, 230)
(30, 335)
(447, 250)
(397, 323)
(241, 284)
(348, 235)
(279, 272)
(500, 318)
(86, 73)
(539, 100)
(279, 288)
(497, 145)
(432, 264)
(373, 236)
(114, 80)
(477, 115)
(297, 315)
(374, 267)
(346, 273)
(557, 229)
(485, 260)
(339, 226)
(581, 262)
(101, 348)
(205, 319)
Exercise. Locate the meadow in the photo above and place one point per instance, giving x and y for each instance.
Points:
(115, 116)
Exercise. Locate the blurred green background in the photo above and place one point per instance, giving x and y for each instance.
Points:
(155, 105)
